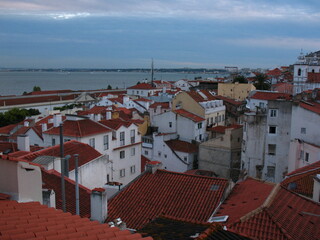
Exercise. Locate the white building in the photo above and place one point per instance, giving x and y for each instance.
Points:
(174, 154)
(305, 132)
(142, 89)
(306, 75)
(178, 121)
(266, 136)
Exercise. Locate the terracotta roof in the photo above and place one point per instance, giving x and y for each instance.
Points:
(301, 180)
(94, 110)
(271, 96)
(182, 146)
(52, 180)
(142, 86)
(36, 99)
(8, 129)
(216, 232)
(49, 92)
(313, 77)
(115, 124)
(141, 99)
(222, 129)
(245, 197)
(274, 72)
(230, 100)
(288, 216)
(32, 220)
(198, 97)
(178, 195)
(311, 106)
(14, 147)
(162, 104)
(86, 153)
(81, 128)
(189, 115)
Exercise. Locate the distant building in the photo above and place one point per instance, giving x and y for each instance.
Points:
(236, 91)
(306, 74)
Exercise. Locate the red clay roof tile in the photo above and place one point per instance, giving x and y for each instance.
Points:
(54, 224)
(174, 194)
(81, 128)
(189, 115)
(271, 96)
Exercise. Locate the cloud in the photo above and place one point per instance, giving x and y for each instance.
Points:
(201, 9)
(277, 42)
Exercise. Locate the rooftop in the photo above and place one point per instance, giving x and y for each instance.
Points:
(79, 128)
(144, 86)
(86, 153)
(35, 221)
(176, 195)
(182, 146)
(270, 96)
(189, 115)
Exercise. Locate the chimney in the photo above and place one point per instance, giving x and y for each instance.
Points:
(26, 123)
(57, 119)
(98, 117)
(91, 116)
(23, 143)
(44, 127)
(108, 115)
(316, 188)
(153, 166)
(99, 208)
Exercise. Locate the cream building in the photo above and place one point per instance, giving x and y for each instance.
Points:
(236, 91)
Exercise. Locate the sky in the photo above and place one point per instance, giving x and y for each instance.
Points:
(174, 33)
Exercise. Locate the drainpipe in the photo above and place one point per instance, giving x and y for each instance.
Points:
(76, 156)
(63, 192)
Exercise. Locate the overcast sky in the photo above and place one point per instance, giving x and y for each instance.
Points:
(175, 33)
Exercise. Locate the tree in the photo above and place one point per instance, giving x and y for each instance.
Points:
(109, 87)
(262, 82)
(138, 82)
(16, 115)
(36, 89)
(240, 79)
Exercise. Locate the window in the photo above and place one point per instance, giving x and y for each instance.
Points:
(159, 154)
(199, 125)
(165, 155)
(303, 130)
(299, 72)
(106, 142)
(272, 149)
(272, 129)
(92, 142)
(122, 172)
(170, 124)
(122, 154)
(133, 151)
(219, 118)
(146, 152)
(133, 169)
(307, 157)
(132, 136)
(271, 171)
(211, 120)
(302, 155)
(261, 104)
(53, 141)
(122, 139)
(185, 158)
(216, 119)
(273, 112)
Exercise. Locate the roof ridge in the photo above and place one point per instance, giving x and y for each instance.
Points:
(271, 196)
(193, 175)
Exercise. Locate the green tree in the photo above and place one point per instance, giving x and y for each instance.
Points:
(36, 89)
(109, 87)
(16, 115)
(240, 79)
(262, 82)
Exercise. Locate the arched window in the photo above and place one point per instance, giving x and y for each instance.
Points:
(299, 72)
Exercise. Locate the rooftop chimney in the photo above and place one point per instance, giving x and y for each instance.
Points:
(23, 143)
(108, 115)
(153, 166)
(316, 188)
(57, 119)
(99, 205)
(44, 127)
(26, 123)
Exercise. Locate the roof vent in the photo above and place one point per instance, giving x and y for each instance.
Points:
(218, 219)
(214, 187)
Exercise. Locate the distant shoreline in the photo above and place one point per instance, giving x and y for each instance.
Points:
(141, 70)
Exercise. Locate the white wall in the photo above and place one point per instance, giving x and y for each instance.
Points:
(162, 122)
